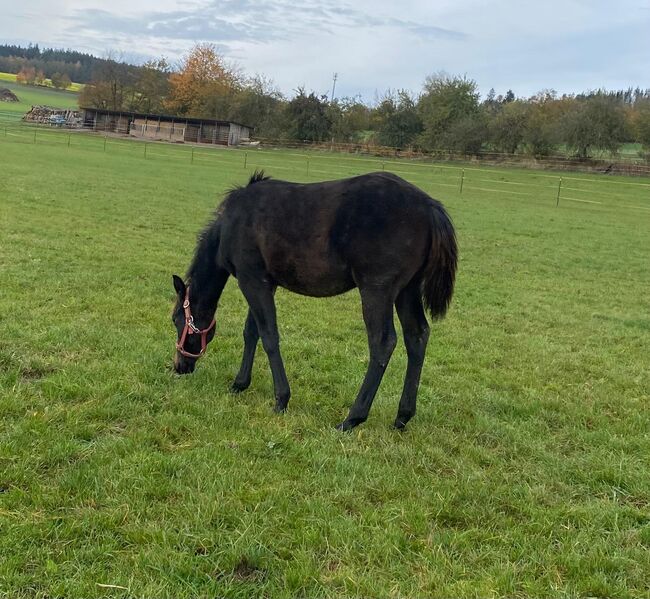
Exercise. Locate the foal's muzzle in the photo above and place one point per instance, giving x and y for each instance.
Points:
(184, 365)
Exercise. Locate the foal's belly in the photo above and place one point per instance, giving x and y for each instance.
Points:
(317, 274)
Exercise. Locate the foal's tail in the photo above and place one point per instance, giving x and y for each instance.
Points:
(440, 268)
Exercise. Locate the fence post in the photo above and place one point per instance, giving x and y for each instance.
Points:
(245, 159)
(383, 166)
(462, 180)
(105, 136)
(192, 156)
(145, 150)
(308, 166)
(69, 134)
(559, 189)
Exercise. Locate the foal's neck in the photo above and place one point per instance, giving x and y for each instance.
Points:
(205, 277)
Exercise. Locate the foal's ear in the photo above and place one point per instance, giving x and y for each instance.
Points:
(179, 286)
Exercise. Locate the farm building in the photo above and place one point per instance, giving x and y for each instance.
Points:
(158, 127)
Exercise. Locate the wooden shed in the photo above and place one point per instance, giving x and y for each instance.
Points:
(160, 127)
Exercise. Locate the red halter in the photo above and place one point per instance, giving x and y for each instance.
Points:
(191, 329)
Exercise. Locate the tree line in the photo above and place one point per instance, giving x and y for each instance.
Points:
(77, 66)
(448, 113)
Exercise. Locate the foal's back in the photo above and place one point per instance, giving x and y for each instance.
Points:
(322, 239)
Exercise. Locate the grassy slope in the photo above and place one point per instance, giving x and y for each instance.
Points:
(30, 95)
(525, 472)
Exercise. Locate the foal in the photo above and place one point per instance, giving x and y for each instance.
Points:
(376, 232)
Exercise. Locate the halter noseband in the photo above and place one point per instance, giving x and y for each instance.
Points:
(191, 329)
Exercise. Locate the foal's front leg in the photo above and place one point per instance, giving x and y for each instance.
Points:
(251, 337)
(259, 296)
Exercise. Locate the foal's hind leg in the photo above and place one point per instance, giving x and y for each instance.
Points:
(377, 307)
(251, 336)
(259, 296)
(416, 334)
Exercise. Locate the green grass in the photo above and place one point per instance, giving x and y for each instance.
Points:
(524, 474)
(30, 95)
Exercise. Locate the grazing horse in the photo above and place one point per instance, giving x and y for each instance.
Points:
(376, 232)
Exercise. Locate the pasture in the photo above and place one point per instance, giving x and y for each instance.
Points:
(524, 473)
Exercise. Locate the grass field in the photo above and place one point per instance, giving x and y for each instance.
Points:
(30, 95)
(524, 474)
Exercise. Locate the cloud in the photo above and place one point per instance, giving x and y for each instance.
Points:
(569, 45)
(226, 21)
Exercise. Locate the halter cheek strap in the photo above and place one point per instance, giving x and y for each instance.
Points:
(191, 329)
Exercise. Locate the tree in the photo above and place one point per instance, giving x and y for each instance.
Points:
(307, 117)
(65, 81)
(109, 87)
(449, 103)
(541, 133)
(491, 105)
(467, 134)
(401, 123)
(507, 128)
(351, 120)
(205, 85)
(60, 80)
(26, 75)
(595, 123)
(642, 125)
(151, 86)
(260, 104)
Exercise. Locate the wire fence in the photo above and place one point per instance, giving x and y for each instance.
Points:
(464, 180)
(630, 165)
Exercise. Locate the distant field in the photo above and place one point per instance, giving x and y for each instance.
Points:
(30, 95)
(74, 87)
(524, 474)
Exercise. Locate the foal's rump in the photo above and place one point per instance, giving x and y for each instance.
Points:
(392, 233)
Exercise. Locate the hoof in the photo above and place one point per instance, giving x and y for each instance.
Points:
(280, 408)
(238, 387)
(401, 421)
(347, 425)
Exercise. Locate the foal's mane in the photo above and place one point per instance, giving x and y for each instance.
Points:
(208, 240)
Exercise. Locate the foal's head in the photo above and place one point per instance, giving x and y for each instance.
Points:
(194, 329)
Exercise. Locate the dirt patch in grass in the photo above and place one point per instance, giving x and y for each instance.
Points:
(245, 570)
(36, 372)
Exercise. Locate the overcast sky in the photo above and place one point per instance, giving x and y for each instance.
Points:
(568, 45)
